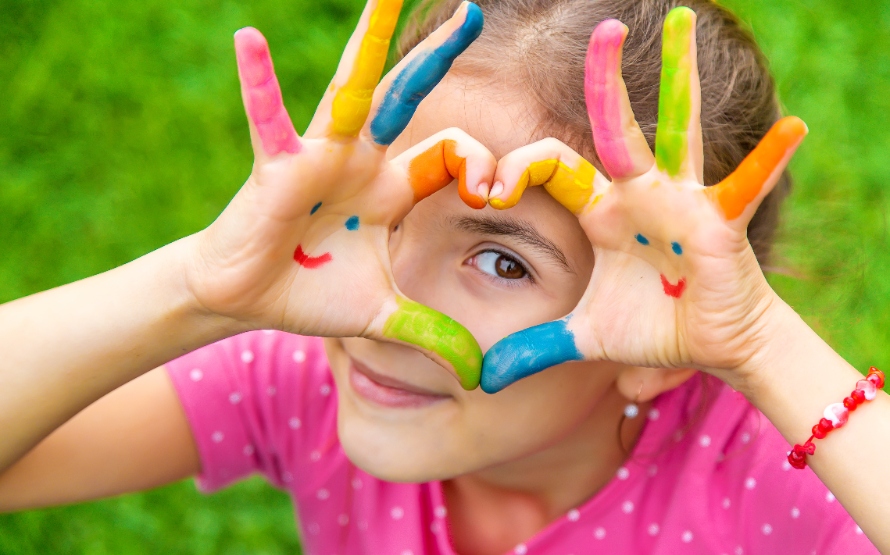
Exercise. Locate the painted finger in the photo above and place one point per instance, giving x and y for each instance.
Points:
(438, 336)
(448, 155)
(620, 143)
(527, 352)
(678, 143)
(743, 190)
(402, 90)
(361, 67)
(568, 177)
(271, 129)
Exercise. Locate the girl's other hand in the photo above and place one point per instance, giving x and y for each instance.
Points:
(303, 246)
(676, 283)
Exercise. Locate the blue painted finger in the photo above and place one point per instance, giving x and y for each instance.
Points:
(527, 352)
(419, 77)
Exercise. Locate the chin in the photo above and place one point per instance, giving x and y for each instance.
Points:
(394, 454)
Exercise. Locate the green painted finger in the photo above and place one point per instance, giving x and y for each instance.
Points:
(433, 331)
(675, 96)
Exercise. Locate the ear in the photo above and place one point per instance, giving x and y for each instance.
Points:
(641, 385)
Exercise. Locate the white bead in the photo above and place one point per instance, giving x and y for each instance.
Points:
(631, 410)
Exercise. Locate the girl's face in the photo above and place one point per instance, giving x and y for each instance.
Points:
(404, 418)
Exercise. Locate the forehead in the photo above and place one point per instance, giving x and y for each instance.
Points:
(497, 116)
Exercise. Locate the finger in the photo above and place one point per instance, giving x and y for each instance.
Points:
(527, 352)
(271, 129)
(438, 336)
(361, 67)
(414, 77)
(743, 190)
(620, 143)
(678, 146)
(568, 177)
(448, 155)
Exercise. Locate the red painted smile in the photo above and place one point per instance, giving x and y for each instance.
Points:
(311, 262)
(672, 290)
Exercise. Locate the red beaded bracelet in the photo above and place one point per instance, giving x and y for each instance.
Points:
(836, 415)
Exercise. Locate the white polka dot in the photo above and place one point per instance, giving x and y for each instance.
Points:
(858, 530)
(599, 533)
(767, 529)
(739, 550)
(294, 423)
(325, 390)
(440, 512)
(299, 356)
(829, 497)
(363, 525)
(235, 398)
(623, 473)
(407, 552)
(436, 527)
(746, 437)
(196, 375)
(314, 528)
(574, 515)
(652, 470)
(654, 529)
(314, 456)
(726, 503)
(704, 441)
(397, 513)
(627, 507)
(268, 332)
(786, 465)
(750, 483)
(653, 414)
(687, 536)
(322, 494)
(520, 549)
(217, 437)
(356, 483)
(795, 512)
(248, 450)
(287, 477)
(247, 357)
(343, 519)
(270, 391)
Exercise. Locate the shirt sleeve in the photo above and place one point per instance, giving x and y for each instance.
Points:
(255, 403)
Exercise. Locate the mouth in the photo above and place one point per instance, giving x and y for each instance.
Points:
(389, 392)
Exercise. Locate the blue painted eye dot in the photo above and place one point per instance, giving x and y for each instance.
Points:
(315, 209)
(641, 239)
(352, 223)
(675, 246)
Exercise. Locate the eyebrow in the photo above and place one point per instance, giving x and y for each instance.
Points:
(510, 227)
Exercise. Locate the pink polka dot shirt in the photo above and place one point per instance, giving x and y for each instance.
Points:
(707, 476)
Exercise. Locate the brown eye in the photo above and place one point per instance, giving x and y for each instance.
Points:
(500, 265)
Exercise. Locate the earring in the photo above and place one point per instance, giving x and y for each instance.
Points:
(631, 411)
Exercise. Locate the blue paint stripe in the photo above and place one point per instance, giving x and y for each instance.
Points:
(352, 223)
(315, 209)
(419, 77)
(675, 246)
(641, 239)
(528, 352)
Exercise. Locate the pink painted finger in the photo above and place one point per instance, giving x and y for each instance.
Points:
(620, 144)
(262, 95)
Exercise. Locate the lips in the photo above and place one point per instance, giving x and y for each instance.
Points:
(389, 392)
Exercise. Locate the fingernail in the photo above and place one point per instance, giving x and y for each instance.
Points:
(482, 191)
(496, 189)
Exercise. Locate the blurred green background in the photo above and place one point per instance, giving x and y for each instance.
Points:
(121, 129)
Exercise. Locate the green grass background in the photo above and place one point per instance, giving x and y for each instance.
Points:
(121, 129)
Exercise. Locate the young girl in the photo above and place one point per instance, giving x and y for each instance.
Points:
(634, 447)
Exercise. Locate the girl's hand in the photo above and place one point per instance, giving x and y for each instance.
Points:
(676, 283)
(304, 245)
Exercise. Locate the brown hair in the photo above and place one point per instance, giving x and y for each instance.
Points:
(540, 46)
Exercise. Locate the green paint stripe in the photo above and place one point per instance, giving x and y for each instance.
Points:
(422, 326)
(674, 99)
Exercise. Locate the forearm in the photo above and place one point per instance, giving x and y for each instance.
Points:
(66, 347)
(801, 375)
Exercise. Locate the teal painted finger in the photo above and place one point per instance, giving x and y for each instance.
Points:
(675, 94)
(433, 331)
